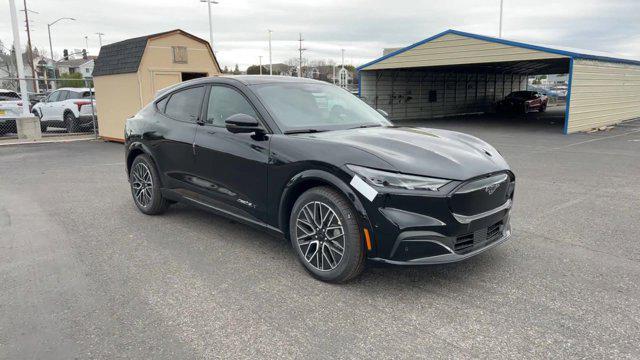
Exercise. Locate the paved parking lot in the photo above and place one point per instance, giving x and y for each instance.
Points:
(84, 275)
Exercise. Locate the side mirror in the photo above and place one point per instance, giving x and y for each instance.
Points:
(242, 123)
(383, 113)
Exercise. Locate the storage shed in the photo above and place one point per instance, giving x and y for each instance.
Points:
(455, 72)
(128, 74)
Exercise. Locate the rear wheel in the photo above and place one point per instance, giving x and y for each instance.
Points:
(145, 186)
(325, 235)
(543, 108)
(70, 122)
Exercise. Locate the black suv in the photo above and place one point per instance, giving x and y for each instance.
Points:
(311, 162)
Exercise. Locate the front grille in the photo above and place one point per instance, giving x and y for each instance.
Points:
(478, 238)
(481, 195)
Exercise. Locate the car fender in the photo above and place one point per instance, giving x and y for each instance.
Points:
(322, 176)
(133, 147)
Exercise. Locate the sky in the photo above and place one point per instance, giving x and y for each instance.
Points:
(362, 28)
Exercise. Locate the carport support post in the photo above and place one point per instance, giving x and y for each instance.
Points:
(565, 130)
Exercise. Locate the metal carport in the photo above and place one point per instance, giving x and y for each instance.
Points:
(455, 73)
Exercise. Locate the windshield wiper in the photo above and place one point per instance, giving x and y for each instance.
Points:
(303, 131)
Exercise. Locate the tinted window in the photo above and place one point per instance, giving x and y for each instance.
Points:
(63, 95)
(315, 105)
(88, 94)
(54, 96)
(225, 102)
(185, 105)
(73, 95)
(9, 95)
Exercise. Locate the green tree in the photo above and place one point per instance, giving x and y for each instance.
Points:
(73, 80)
(236, 71)
(255, 70)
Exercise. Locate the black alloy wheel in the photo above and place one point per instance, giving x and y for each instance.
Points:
(145, 186)
(325, 234)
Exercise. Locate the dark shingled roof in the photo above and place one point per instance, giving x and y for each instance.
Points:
(124, 57)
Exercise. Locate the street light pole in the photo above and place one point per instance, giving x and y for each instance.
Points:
(19, 64)
(49, 30)
(500, 28)
(209, 2)
(270, 61)
(260, 57)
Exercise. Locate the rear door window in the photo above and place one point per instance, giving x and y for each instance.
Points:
(185, 105)
(73, 95)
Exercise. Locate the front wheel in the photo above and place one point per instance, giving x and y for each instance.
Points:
(145, 186)
(325, 235)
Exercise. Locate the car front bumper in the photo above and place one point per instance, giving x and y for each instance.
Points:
(412, 229)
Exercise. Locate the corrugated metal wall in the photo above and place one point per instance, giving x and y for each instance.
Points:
(452, 49)
(602, 93)
(422, 94)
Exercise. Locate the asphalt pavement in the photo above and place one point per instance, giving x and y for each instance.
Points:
(83, 274)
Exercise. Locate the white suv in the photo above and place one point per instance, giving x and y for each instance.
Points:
(70, 108)
(10, 109)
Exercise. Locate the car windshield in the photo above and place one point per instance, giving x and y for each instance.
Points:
(522, 94)
(316, 107)
(9, 95)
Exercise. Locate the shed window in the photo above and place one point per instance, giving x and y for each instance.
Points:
(185, 105)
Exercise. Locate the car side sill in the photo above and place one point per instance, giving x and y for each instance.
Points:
(173, 195)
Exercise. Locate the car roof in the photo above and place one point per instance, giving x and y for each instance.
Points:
(251, 80)
(75, 89)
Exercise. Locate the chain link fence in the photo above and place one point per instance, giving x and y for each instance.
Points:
(63, 106)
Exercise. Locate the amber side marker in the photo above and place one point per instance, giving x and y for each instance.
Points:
(367, 238)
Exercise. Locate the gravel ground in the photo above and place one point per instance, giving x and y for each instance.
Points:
(83, 274)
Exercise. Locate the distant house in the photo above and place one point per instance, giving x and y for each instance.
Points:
(71, 66)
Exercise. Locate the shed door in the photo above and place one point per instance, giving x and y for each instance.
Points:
(163, 79)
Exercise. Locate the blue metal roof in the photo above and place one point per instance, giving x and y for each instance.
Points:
(570, 52)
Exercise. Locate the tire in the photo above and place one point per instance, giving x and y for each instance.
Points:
(70, 122)
(143, 175)
(543, 108)
(327, 264)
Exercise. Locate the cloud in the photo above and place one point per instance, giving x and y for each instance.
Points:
(361, 27)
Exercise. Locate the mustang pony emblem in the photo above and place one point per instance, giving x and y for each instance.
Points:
(490, 189)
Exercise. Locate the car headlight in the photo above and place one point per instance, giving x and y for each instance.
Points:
(388, 179)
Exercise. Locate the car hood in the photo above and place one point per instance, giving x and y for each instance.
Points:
(421, 151)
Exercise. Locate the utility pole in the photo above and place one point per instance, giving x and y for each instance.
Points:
(100, 38)
(209, 2)
(19, 63)
(500, 28)
(300, 50)
(270, 61)
(260, 57)
(29, 51)
(342, 58)
(86, 43)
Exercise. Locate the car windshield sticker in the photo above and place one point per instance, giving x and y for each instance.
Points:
(363, 188)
